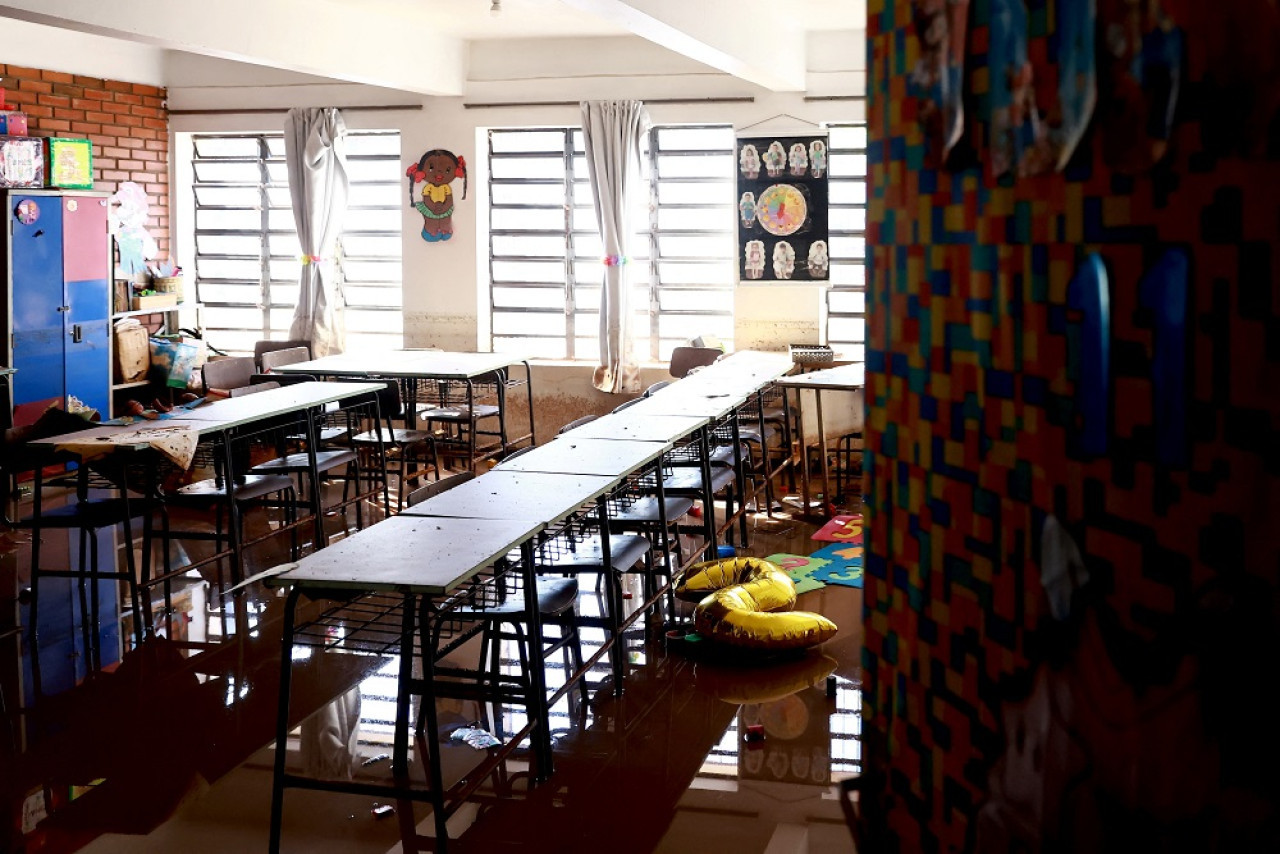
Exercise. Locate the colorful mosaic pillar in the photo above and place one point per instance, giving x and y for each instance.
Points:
(1002, 726)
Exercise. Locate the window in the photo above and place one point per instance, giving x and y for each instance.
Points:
(846, 298)
(246, 245)
(545, 250)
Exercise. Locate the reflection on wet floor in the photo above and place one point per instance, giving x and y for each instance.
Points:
(167, 752)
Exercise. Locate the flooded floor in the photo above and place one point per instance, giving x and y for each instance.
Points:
(173, 749)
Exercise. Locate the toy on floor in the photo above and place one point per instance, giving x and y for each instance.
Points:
(746, 602)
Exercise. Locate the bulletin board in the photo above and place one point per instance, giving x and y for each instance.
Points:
(782, 208)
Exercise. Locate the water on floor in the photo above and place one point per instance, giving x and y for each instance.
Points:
(172, 750)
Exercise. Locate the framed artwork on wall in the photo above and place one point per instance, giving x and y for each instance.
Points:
(782, 208)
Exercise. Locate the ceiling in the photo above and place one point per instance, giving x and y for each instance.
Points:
(473, 20)
(423, 46)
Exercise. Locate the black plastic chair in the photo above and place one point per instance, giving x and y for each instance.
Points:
(411, 454)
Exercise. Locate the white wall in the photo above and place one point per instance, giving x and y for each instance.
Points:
(445, 292)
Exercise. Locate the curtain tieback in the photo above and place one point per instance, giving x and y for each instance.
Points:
(614, 260)
(311, 259)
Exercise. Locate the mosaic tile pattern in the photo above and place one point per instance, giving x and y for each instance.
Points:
(972, 359)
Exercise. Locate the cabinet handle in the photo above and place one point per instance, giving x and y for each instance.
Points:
(62, 308)
(76, 334)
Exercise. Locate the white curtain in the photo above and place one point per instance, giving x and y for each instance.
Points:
(315, 149)
(613, 132)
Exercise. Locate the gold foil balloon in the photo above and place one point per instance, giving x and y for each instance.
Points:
(746, 602)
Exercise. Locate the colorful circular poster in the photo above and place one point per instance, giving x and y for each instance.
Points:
(781, 209)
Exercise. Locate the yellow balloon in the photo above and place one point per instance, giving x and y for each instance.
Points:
(746, 602)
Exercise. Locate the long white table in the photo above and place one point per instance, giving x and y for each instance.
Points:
(847, 378)
(414, 366)
(416, 558)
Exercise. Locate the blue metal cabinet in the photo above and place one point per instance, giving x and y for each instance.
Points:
(57, 315)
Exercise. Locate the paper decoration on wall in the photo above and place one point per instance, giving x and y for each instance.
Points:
(1077, 79)
(1089, 293)
(1143, 55)
(129, 222)
(938, 77)
(1019, 140)
(782, 208)
(1164, 291)
(437, 170)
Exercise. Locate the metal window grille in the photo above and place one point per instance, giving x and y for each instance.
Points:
(246, 244)
(847, 244)
(545, 253)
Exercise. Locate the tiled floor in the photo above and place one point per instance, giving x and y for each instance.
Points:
(173, 747)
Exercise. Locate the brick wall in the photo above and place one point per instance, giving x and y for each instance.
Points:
(128, 123)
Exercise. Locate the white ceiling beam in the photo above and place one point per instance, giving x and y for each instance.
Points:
(357, 42)
(750, 39)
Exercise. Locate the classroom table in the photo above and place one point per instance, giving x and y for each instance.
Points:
(570, 454)
(629, 425)
(552, 498)
(415, 558)
(843, 378)
(414, 366)
(219, 419)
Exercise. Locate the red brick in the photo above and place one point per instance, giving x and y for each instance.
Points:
(161, 190)
(55, 76)
(153, 102)
(117, 86)
(147, 112)
(142, 89)
(92, 82)
(146, 133)
(104, 162)
(53, 100)
(69, 90)
(140, 177)
(154, 144)
(132, 164)
(127, 98)
(114, 151)
(20, 71)
(149, 156)
(130, 122)
(111, 175)
(34, 112)
(104, 118)
(115, 108)
(56, 126)
(35, 86)
(84, 104)
(97, 94)
(156, 124)
(85, 128)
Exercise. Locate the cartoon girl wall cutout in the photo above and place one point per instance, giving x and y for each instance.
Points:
(437, 170)
(749, 160)
(753, 264)
(799, 159)
(818, 157)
